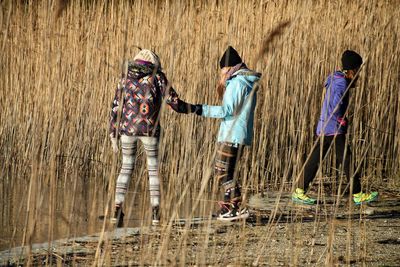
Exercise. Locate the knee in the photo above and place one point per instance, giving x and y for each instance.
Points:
(152, 161)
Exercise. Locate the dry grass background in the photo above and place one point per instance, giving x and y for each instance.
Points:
(58, 75)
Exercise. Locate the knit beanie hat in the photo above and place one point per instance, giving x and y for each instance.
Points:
(148, 56)
(230, 58)
(351, 60)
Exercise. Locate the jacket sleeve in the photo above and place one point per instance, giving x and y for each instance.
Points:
(172, 98)
(232, 102)
(338, 92)
(177, 104)
(114, 110)
(338, 101)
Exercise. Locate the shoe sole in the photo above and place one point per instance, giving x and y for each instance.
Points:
(241, 216)
(297, 201)
(363, 202)
(114, 222)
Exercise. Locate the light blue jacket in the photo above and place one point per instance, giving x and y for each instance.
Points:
(237, 110)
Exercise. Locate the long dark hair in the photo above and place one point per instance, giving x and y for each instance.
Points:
(225, 76)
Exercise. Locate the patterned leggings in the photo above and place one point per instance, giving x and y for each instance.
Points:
(225, 163)
(129, 145)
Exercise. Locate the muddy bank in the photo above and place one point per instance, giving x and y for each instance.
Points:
(292, 236)
(294, 244)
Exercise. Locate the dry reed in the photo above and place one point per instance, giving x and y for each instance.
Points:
(61, 62)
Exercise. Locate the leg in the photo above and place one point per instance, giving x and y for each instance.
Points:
(151, 147)
(343, 158)
(225, 163)
(313, 163)
(128, 158)
(310, 170)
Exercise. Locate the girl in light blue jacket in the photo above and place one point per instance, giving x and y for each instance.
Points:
(236, 87)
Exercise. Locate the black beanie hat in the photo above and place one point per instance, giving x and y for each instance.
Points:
(230, 58)
(351, 60)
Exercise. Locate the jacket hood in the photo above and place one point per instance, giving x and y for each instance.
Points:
(139, 70)
(247, 76)
(336, 77)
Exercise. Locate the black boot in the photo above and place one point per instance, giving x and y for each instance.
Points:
(155, 216)
(118, 218)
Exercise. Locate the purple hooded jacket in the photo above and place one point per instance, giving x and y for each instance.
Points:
(332, 120)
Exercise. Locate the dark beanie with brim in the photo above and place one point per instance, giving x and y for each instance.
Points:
(351, 60)
(230, 58)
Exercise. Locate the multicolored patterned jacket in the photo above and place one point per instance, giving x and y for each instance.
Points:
(143, 92)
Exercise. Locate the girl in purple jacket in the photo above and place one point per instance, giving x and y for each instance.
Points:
(332, 129)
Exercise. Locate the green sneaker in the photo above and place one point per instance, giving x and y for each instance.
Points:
(298, 196)
(361, 197)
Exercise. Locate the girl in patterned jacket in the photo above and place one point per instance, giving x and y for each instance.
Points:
(142, 91)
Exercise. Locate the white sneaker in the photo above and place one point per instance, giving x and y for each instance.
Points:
(234, 214)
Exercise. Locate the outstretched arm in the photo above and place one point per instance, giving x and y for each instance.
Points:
(177, 104)
(231, 104)
(172, 98)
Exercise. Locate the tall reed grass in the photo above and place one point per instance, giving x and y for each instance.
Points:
(60, 68)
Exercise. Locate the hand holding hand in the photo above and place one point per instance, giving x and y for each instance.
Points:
(197, 109)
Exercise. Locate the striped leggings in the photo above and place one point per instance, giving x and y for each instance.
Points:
(129, 145)
(224, 170)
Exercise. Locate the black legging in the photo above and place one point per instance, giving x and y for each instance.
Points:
(313, 162)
